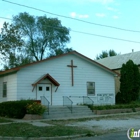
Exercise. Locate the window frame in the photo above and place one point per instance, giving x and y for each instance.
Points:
(4, 94)
(93, 89)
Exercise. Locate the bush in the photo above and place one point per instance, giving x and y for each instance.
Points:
(119, 106)
(119, 98)
(14, 109)
(129, 83)
(35, 108)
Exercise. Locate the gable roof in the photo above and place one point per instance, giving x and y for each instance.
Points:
(13, 70)
(115, 62)
(46, 76)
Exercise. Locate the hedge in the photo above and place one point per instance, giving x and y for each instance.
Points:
(14, 109)
(118, 106)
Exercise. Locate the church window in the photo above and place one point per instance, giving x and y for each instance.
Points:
(4, 89)
(40, 88)
(47, 88)
(91, 88)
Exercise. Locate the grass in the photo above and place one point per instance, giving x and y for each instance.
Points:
(132, 105)
(28, 130)
(64, 122)
(60, 127)
(3, 120)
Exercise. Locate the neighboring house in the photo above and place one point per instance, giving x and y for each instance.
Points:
(72, 75)
(115, 63)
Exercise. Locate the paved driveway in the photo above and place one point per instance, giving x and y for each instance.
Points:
(112, 136)
(108, 125)
(122, 122)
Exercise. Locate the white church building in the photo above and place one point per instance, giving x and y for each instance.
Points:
(71, 76)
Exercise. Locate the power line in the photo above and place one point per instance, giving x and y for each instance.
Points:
(6, 18)
(72, 18)
(85, 33)
(106, 37)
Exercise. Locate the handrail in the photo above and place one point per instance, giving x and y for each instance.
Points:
(44, 101)
(67, 102)
(87, 100)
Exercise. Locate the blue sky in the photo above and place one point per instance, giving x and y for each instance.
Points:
(117, 13)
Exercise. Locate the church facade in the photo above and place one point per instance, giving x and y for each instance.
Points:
(70, 76)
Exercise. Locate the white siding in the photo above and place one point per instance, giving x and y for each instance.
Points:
(11, 87)
(57, 68)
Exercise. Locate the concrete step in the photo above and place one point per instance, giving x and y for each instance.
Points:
(63, 112)
(66, 115)
(68, 111)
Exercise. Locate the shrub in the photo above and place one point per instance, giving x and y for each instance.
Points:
(119, 98)
(14, 109)
(118, 106)
(35, 108)
(129, 83)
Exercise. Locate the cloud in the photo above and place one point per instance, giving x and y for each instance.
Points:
(111, 9)
(115, 17)
(100, 14)
(83, 16)
(75, 15)
(102, 1)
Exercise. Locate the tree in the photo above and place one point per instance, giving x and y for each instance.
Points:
(31, 38)
(10, 40)
(105, 54)
(60, 51)
(129, 83)
(41, 35)
(12, 46)
(18, 60)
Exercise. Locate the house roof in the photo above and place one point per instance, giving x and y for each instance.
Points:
(55, 57)
(115, 62)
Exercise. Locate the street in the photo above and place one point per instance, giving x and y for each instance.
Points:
(111, 136)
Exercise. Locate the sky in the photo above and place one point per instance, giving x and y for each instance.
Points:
(124, 14)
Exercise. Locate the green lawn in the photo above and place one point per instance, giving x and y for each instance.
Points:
(28, 130)
(3, 120)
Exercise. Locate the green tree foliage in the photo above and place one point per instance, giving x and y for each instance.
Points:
(60, 51)
(17, 60)
(42, 35)
(105, 54)
(129, 83)
(31, 38)
(12, 46)
(10, 41)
